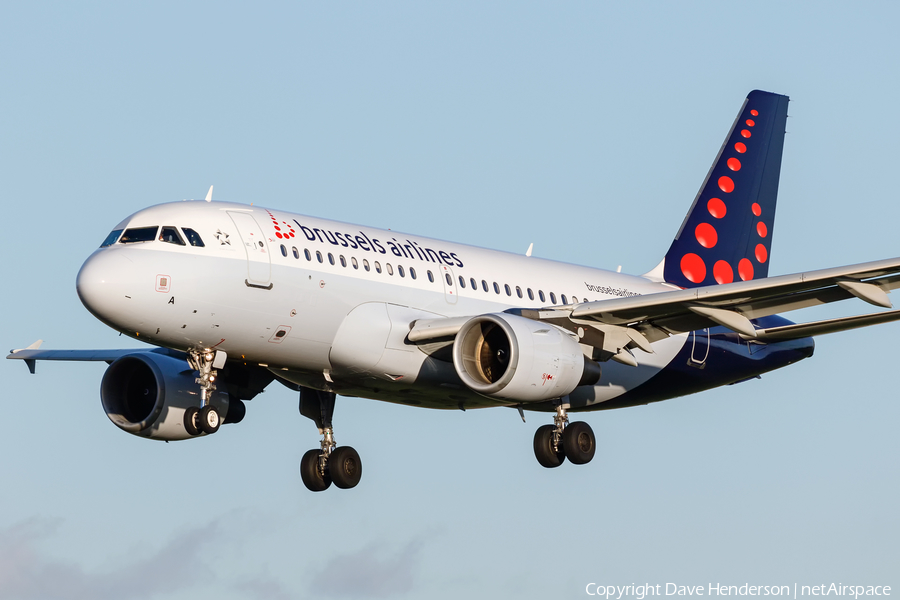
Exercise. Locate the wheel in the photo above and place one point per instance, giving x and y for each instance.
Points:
(543, 447)
(209, 419)
(579, 442)
(191, 422)
(309, 472)
(345, 467)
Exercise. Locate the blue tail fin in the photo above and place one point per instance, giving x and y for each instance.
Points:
(727, 234)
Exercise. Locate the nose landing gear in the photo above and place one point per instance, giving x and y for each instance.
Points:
(320, 467)
(555, 443)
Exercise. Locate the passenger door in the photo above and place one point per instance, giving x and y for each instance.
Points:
(259, 267)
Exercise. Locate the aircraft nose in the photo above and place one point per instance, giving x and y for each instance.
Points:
(101, 284)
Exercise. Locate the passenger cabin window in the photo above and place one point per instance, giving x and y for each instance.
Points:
(139, 234)
(283, 250)
(377, 267)
(449, 279)
(343, 261)
(541, 294)
(170, 235)
(552, 298)
(400, 271)
(193, 237)
(296, 252)
(307, 254)
(430, 276)
(518, 291)
(474, 284)
(462, 281)
(319, 256)
(331, 258)
(412, 272)
(484, 285)
(111, 238)
(353, 262)
(564, 301)
(390, 269)
(365, 264)
(506, 288)
(496, 288)
(530, 294)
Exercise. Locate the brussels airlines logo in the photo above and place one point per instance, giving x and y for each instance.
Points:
(283, 230)
(361, 241)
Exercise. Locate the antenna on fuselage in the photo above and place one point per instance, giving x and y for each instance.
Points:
(209, 194)
(530, 248)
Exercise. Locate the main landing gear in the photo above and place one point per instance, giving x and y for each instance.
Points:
(320, 467)
(555, 443)
(204, 419)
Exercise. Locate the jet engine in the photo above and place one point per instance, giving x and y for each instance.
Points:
(513, 358)
(146, 394)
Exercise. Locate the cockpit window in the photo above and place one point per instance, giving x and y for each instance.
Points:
(193, 237)
(170, 235)
(111, 238)
(139, 234)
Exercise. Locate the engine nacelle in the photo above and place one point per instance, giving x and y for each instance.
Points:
(146, 394)
(513, 358)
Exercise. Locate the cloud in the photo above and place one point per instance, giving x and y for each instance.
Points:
(25, 573)
(265, 588)
(369, 572)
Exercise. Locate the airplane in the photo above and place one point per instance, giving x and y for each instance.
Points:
(235, 296)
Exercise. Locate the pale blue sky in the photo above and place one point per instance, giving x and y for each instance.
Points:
(585, 128)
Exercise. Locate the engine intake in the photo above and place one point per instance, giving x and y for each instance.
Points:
(513, 358)
(146, 394)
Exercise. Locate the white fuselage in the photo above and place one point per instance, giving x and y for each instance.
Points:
(328, 304)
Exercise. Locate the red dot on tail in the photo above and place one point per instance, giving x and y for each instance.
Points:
(761, 229)
(761, 253)
(693, 267)
(716, 208)
(740, 147)
(722, 272)
(745, 269)
(733, 164)
(706, 235)
(751, 122)
(726, 184)
(278, 234)
(754, 112)
(756, 209)
(745, 133)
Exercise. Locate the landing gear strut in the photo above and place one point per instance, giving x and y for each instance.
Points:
(320, 467)
(204, 419)
(555, 443)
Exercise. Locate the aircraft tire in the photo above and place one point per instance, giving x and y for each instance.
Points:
(309, 472)
(209, 419)
(345, 467)
(579, 442)
(543, 447)
(191, 421)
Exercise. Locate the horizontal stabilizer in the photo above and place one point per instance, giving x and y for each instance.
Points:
(802, 330)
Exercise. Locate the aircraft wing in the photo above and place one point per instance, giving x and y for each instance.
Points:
(618, 324)
(34, 353)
